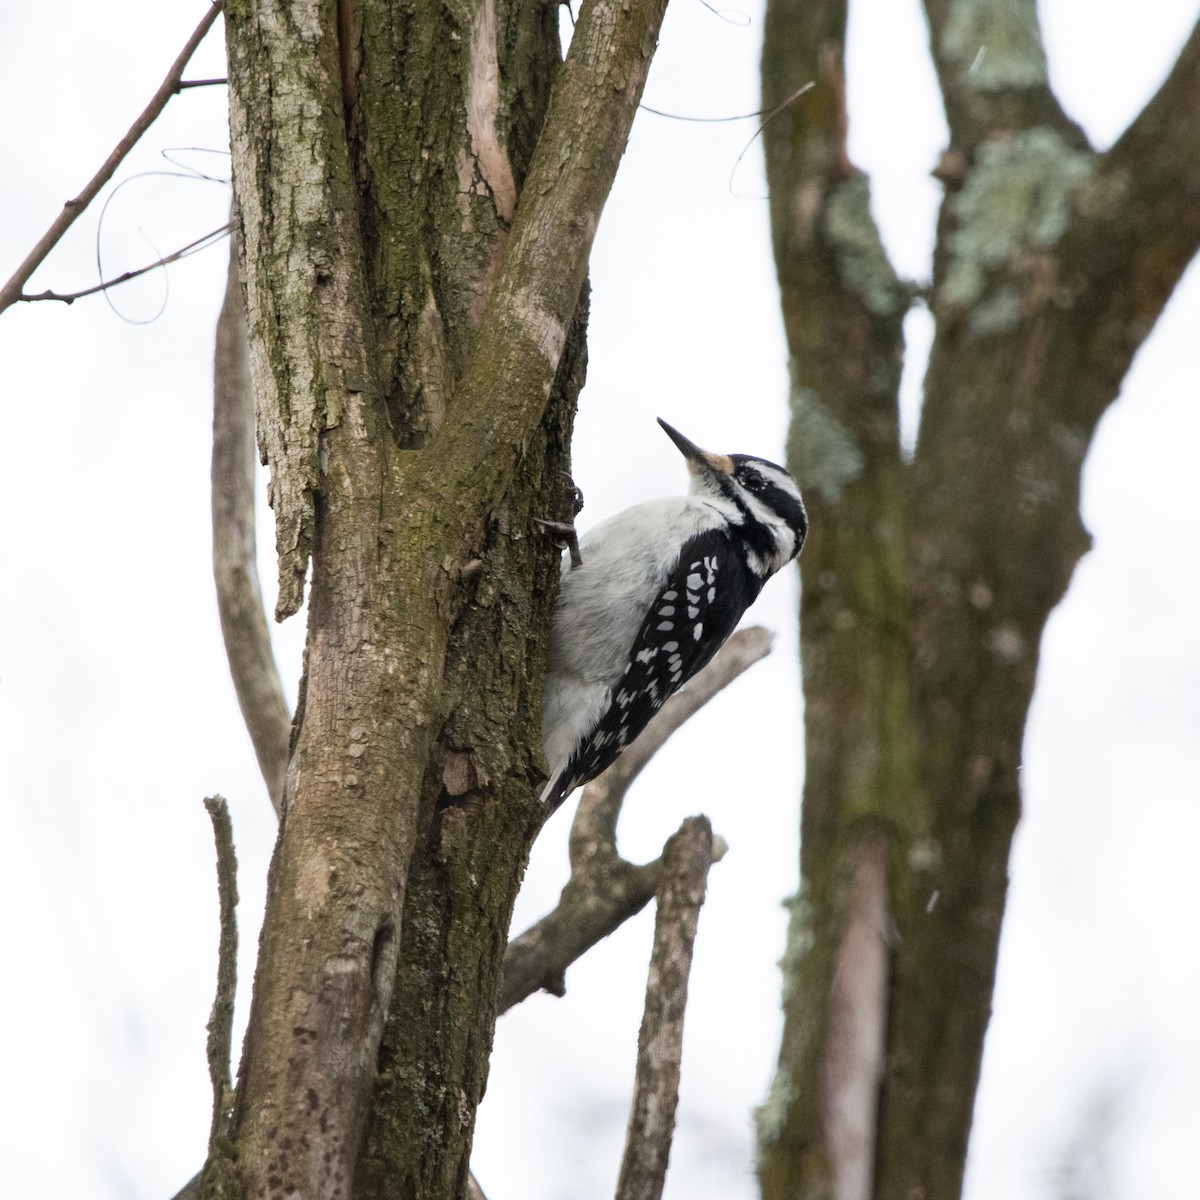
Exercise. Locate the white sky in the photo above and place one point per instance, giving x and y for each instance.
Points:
(117, 717)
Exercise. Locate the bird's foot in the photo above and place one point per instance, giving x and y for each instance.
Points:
(570, 539)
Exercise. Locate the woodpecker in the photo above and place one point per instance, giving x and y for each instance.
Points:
(659, 589)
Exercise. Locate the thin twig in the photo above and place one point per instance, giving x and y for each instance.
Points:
(235, 564)
(200, 243)
(605, 890)
(686, 859)
(761, 112)
(11, 292)
(220, 1023)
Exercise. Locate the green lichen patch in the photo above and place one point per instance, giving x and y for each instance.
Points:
(821, 450)
(862, 263)
(1015, 201)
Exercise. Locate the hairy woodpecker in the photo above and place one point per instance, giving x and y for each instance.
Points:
(660, 587)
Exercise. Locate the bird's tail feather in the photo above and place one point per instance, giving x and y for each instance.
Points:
(560, 786)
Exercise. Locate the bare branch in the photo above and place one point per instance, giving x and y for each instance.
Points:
(235, 567)
(686, 859)
(10, 293)
(200, 243)
(604, 890)
(596, 901)
(220, 1023)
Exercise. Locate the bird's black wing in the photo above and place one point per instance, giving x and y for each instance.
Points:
(698, 607)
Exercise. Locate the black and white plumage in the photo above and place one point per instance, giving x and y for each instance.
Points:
(660, 588)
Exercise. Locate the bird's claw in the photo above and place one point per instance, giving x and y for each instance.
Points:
(570, 539)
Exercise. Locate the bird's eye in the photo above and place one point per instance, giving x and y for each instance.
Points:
(754, 481)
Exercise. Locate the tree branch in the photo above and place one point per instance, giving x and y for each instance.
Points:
(685, 862)
(220, 1023)
(10, 293)
(1136, 221)
(201, 243)
(605, 890)
(1165, 136)
(235, 568)
(524, 327)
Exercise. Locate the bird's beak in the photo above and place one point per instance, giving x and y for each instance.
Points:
(697, 459)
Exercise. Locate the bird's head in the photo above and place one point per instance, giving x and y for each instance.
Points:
(764, 495)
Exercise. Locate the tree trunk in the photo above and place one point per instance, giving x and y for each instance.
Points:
(927, 583)
(414, 212)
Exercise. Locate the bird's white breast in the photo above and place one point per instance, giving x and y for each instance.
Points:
(602, 604)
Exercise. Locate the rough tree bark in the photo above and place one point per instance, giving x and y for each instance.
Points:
(414, 209)
(927, 583)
